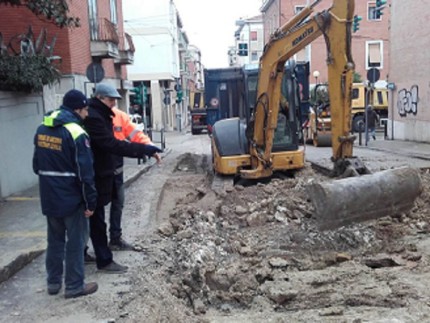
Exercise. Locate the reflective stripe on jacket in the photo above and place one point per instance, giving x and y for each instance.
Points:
(124, 129)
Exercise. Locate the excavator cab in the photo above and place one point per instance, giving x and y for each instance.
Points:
(287, 131)
(231, 137)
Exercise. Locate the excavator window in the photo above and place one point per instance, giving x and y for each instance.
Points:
(285, 136)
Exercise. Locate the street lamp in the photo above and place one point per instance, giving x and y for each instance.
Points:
(316, 75)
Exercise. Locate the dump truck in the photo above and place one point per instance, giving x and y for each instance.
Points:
(198, 120)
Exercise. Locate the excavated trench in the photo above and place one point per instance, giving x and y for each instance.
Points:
(257, 248)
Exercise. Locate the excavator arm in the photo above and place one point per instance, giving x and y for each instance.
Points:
(334, 24)
(339, 202)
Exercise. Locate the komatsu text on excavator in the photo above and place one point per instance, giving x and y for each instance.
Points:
(270, 142)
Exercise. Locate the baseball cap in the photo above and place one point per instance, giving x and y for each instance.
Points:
(107, 91)
(75, 99)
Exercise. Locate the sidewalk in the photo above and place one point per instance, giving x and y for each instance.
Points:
(23, 227)
(403, 148)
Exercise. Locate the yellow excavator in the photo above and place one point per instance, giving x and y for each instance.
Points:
(269, 143)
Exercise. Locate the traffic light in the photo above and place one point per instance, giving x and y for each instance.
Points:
(145, 94)
(356, 23)
(179, 95)
(137, 98)
(243, 49)
(380, 5)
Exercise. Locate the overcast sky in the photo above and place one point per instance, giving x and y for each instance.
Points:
(210, 25)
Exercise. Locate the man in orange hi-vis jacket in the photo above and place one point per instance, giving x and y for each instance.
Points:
(123, 129)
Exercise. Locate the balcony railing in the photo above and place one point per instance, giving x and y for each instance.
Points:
(129, 45)
(126, 50)
(104, 38)
(104, 30)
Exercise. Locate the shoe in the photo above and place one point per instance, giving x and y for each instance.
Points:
(89, 288)
(120, 245)
(113, 268)
(88, 259)
(53, 290)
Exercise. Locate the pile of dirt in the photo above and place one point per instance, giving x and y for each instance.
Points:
(258, 248)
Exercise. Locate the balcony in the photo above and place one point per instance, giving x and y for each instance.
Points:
(126, 51)
(104, 39)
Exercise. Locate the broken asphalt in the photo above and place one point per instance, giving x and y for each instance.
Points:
(23, 227)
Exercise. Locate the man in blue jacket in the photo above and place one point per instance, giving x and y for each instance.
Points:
(64, 162)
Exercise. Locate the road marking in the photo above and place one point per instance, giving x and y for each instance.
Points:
(21, 198)
(23, 234)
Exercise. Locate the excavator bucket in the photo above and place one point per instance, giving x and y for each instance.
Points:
(355, 199)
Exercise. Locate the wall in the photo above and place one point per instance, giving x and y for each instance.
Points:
(20, 115)
(154, 30)
(410, 71)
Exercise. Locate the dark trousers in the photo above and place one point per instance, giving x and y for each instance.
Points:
(98, 236)
(66, 240)
(116, 206)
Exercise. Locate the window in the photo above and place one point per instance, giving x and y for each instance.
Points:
(297, 9)
(113, 12)
(374, 54)
(254, 56)
(372, 13)
(92, 12)
(355, 94)
(253, 35)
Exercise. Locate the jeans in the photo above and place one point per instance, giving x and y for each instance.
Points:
(370, 132)
(66, 241)
(98, 236)
(116, 206)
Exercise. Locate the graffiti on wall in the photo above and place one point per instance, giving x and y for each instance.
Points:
(407, 101)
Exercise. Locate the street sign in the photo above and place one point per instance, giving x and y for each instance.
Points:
(373, 75)
(95, 72)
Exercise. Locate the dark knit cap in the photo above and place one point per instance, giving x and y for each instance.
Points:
(75, 99)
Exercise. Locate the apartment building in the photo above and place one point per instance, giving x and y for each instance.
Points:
(163, 60)
(100, 41)
(249, 42)
(370, 44)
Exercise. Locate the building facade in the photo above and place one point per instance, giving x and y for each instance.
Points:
(249, 42)
(370, 44)
(408, 77)
(162, 60)
(99, 43)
